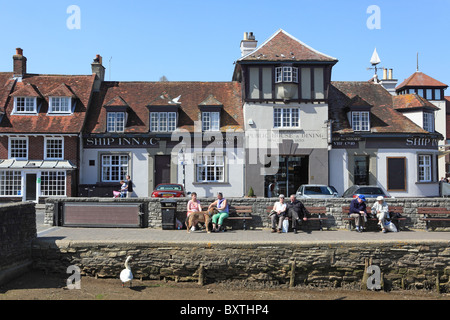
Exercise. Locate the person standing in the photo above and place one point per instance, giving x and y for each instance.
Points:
(297, 212)
(358, 211)
(129, 186)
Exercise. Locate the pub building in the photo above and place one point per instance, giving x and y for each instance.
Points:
(41, 119)
(432, 90)
(187, 133)
(376, 140)
(285, 86)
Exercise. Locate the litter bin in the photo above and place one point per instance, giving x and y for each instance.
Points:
(168, 210)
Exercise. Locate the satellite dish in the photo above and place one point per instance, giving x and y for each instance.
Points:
(375, 58)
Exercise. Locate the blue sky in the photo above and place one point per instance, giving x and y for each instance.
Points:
(198, 40)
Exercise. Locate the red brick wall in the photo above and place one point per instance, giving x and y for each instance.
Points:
(36, 152)
(3, 147)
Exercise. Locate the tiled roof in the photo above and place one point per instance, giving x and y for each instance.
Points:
(412, 101)
(25, 90)
(420, 79)
(384, 118)
(282, 47)
(42, 86)
(61, 91)
(140, 95)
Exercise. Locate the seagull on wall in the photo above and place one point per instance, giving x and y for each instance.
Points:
(126, 274)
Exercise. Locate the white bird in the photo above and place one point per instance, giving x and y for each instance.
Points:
(126, 274)
(175, 101)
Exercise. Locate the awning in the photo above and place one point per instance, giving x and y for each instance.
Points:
(36, 164)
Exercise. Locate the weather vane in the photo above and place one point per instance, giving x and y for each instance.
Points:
(374, 61)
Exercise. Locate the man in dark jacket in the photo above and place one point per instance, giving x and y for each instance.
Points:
(296, 212)
(358, 211)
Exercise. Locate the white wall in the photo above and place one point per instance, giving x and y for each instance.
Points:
(312, 132)
(339, 176)
(234, 175)
(413, 188)
(138, 168)
(338, 172)
(440, 117)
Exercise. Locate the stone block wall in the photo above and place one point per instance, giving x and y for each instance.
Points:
(17, 231)
(424, 265)
(259, 205)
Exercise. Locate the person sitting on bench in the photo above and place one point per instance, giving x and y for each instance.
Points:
(222, 207)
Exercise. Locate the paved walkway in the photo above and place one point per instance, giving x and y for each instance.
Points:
(120, 235)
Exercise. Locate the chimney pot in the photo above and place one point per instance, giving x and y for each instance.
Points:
(248, 44)
(19, 51)
(391, 73)
(99, 70)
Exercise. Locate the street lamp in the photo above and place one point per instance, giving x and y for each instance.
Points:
(183, 163)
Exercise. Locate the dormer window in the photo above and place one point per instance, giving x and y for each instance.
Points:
(25, 105)
(115, 121)
(360, 121)
(60, 105)
(210, 113)
(163, 121)
(210, 121)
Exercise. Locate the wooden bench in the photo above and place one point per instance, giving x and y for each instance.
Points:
(433, 214)
(396, 220)
(319, 211)
(243, 213)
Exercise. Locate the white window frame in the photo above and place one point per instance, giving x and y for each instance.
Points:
(11, 145)
(210, 168)
(10, 183)
(286, 74)
(53, 183)
(360, 120)
(425, 168)
(117, 170)
(211, 121)
(113, 124)
(25, 105)
(48, 149)
(55, 105)
(428, 121)
(163, 121)
(286, 117)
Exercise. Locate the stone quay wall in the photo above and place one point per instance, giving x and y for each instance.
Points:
(17, 231)
(421, 265)
(259, 205)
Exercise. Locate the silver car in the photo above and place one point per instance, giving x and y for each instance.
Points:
(316, 191)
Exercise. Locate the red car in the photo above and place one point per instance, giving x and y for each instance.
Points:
(168, 190)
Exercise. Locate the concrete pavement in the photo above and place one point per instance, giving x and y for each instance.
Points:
(263, 236)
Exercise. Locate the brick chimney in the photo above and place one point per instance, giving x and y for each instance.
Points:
(99, 70)
(20, 64)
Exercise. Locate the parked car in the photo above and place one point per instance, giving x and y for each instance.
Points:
(168, 190)
(367, 191)
(316, 191)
